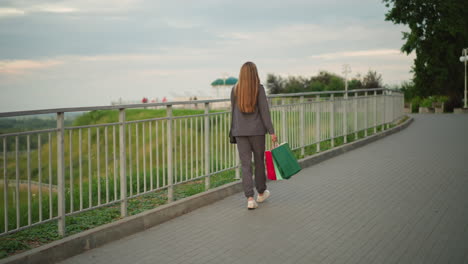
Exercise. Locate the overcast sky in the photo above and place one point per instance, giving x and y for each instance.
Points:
(67, 53)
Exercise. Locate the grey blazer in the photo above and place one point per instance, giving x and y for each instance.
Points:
(251, 124)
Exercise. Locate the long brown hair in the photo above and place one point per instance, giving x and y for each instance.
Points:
(247, 88)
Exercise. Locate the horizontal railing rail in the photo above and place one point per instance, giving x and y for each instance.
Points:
(143, 105)
(50, 174)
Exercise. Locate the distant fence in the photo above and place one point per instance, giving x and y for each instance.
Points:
(102, 164)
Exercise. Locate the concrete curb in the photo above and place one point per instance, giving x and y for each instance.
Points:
(93, 238)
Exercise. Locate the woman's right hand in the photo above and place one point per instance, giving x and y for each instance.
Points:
(274, 138)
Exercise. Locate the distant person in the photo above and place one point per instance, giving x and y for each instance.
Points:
(164, 100)
(251, 120)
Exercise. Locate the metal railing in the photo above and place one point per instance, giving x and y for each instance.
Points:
(69, 170)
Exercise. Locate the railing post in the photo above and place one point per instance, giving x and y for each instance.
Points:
(375, 112)
(61, 173)
(332, 120)
(317, 125)
(365, 114)
(392, 108)
(207, 146)
(384, 111)
(123, 164)
(302, 124)
(345, 117)
(170, 188)
(355, 116)
(284, 137)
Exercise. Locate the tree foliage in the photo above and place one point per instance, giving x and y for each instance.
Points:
(372, 80)
(438, 33)
(323, 81)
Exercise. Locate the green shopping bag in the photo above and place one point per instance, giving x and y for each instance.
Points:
(286, 162)
(277, 172)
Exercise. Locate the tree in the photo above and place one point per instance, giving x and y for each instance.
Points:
(438, 33)
(409, 90)
(330, 81)
(274, 84)
(372, 80)
(355, 83)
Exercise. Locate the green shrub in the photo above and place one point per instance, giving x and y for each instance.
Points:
(441, 99)
(416, 101)
(427, 102)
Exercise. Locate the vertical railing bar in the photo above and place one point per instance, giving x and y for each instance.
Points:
(231, 147)
(17, 200)
(61, 173)
(5, 183)
(355, 116)
(207, 147)
(220, 142)
(288, 121)
(28, 171)
(98, 165)
(170, 190)
(175, 175)
(366, 114)
(143, 154)
(332, 121)
(90, 176)
(71, 172)
(174, 151)
(210, 142)
(181, 169)
(50, 176)
(191, 148)
(39, 167)
(317, 123)
(130, 160)
(123, 169)
(226, 143)
(106, 164)
(137, 151)
(157, 153)
(216, 143)
(308, 118)
(151, 154)
(186, 150)
(382, 116)
(196, 147)
(114, 142)
(283, 121)
(164, 150)
(375, 111)
(345, 118)
(80, 160)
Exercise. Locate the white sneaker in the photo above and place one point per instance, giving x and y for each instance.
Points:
(251, 204)
(262, 198)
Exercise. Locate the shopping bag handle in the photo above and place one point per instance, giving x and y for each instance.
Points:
(273, 145)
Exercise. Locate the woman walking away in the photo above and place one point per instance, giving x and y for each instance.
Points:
(250, 122)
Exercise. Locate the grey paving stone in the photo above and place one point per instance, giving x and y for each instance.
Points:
(401, 199)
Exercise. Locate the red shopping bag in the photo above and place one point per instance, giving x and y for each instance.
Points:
(270, 167)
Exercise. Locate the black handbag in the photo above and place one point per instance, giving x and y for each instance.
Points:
(232, 139)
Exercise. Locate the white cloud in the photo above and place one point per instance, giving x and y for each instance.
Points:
(6, 12)
(360, 53)
(22, 66)
(54, 9)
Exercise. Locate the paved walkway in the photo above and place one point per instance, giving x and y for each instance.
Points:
(402, 199)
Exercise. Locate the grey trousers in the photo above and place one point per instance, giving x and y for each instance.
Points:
(246, 146)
